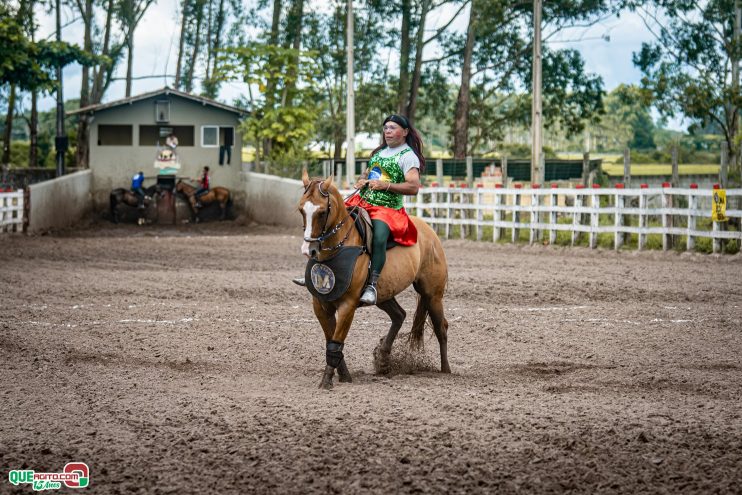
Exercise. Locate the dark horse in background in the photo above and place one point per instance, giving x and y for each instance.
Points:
(122, 196)
(219, 195)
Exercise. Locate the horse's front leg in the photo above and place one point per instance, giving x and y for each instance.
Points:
(335, 343)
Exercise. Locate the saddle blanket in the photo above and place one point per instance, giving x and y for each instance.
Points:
(329, 279)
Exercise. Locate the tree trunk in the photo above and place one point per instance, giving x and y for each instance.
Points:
(7, 134)
(269, 96)
(461, 118)
(129, 60)
(209, 38)
(196, 46)
(33, 132)
(417, 72)
(404, 59)
(297, 19)
(183, 29)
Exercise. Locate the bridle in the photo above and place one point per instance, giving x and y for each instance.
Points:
(324, 233)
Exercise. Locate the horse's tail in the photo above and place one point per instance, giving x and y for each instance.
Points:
(229, 199)
(418, 323)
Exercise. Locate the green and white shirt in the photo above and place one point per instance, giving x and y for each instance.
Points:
(390, 165)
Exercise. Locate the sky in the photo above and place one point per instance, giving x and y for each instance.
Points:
(606, 47)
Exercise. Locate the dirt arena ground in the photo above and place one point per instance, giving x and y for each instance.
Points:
(182, 360)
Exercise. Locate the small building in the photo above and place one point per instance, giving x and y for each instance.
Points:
(126, 136)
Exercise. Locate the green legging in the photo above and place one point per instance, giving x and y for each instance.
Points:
(381, 235)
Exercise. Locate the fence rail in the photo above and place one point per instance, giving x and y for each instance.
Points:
(620, 213)
(11, 211)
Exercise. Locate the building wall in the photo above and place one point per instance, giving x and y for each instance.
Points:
(60, 202)
(113, 166)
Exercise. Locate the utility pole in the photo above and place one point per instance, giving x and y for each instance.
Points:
(537, 176)
(350, 152)
(60, 142)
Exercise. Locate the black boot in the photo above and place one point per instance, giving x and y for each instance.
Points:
(368, 298)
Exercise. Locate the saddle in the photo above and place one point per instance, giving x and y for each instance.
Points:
(365, 228)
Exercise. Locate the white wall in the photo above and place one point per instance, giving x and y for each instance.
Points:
(60, 202)
(272, 200)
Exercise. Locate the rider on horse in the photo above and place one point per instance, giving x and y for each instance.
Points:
(136, 187)
(203, 186)
(393, 171)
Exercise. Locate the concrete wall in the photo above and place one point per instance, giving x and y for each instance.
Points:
(272, 200)
(113, 166)
(60, 202)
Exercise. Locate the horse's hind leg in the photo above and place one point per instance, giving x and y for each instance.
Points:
(384, 349)
(440, 327)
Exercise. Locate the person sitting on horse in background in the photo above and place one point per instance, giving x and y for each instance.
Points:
(203, 186)
(136, 187)
(393, 171)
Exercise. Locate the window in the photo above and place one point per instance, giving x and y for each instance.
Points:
(115, 135)
(151, 135)
(162, 111)
(210, 136)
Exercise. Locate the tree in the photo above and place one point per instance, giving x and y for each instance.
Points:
(499, 41)
(692, 67)
(130, 12)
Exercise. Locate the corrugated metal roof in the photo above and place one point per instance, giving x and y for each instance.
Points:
(163, 91)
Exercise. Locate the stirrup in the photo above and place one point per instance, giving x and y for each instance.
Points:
(368, 298)
(300, 281)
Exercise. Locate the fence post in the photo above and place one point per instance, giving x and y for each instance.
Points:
(469, 171)
(448, 211)
(585, 168)
(339, 176)
(716, 227)
(594, 216)
(692, 205)
(642, 216)
(553, 200)
(576, 215)
(480, 213)
(724, 168)
(504, 167)
(618, 218)
(535, 203)
(516, 215)
(666, 217)
(463, 199)
(627, 167)
(497, 215)
(439, 171)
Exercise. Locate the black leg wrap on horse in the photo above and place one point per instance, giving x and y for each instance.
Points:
(334, 353)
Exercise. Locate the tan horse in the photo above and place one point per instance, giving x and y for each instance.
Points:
(220, 195)
(327, 227)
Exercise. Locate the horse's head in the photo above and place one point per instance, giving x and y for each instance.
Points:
(179, 186)
(320, 207)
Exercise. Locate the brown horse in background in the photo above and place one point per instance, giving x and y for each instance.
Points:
(327, 227)
(122, 196)
(219, 195)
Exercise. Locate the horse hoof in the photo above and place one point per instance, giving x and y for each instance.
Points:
(325, 385)
(346, 378)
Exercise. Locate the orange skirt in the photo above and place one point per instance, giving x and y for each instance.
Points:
(403, 231)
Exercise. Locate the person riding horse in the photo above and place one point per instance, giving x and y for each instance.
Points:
(393, 171)
(136, 187)
(203, 186)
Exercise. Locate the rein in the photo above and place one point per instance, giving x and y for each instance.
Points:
(325, 234)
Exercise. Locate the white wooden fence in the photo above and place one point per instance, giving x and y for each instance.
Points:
(11, 211)
(668, 212)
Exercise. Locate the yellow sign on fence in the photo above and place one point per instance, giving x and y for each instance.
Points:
(719, 209)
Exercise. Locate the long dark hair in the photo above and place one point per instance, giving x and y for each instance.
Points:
(412, 139)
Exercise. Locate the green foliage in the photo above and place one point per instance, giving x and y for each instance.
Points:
(32, 65)
(687, 69)
(280, 74)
